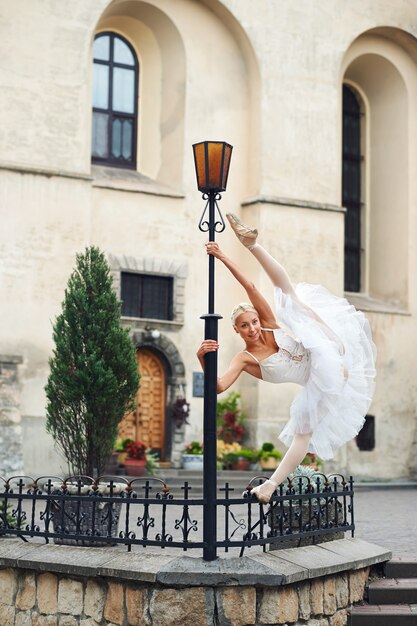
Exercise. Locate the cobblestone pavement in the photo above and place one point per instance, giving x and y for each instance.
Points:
(388, 517)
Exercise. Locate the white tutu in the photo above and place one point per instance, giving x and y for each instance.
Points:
(339, 390)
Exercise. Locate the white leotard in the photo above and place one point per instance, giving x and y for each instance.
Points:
(290, 364)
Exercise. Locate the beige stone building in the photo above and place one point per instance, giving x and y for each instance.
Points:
(100, 104)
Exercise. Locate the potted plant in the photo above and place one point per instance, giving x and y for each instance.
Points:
(135, 462)
(192, 457)
(120, 447)
(269, 457)
(223, 451)
(230, 419)
(93, 376)
(312, 460)
(304, 479)
(241, 459)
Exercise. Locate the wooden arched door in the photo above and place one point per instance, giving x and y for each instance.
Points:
(147, 422)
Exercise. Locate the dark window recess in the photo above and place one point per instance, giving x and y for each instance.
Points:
(115, 96)
(365, 439)
(351, 188)
(145, 295)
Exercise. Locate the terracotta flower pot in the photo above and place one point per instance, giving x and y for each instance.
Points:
(270, 463)
(241, 464)
(135, 467)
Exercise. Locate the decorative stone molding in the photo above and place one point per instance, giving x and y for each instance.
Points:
(130, 180)
(294, 202)
(11, 459)
(164, 345)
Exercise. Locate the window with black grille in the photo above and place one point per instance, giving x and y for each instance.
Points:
(115, 96)
(351, 188)
(365, 439)
(147, 295)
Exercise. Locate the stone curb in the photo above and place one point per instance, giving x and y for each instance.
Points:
(266, 569)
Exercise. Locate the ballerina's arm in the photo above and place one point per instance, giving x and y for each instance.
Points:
(236, 367)
(265, 312)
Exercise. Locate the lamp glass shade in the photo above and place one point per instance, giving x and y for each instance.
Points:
(212, 160)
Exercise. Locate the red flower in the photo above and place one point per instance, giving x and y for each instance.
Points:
(230, 428)
(136, 450)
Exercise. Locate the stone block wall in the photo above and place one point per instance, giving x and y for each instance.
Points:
(42, 598)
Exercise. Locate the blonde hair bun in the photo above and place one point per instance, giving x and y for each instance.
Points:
(242, 307)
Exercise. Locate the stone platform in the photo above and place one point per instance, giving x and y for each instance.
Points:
(98, 587)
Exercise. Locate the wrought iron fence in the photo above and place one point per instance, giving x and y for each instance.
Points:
(143, 512)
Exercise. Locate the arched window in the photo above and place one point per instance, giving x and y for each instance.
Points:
(115, 96)
(351, 188)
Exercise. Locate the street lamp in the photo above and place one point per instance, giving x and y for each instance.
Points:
(212, 160)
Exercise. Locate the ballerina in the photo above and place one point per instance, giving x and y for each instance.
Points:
(332, 357)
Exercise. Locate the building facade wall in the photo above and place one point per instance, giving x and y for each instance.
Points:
(269, 82)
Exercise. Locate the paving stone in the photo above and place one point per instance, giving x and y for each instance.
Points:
(135, 606)
(357, 582)
(316, 596)
(194, 571)
(342, 591)
(26, 594)
(329, 596)
(114, 606)
(304, 610)
(135, 566)
(278, 606)
(316, 560)
(47, 593)
(64, 559)
(339, 619)
(94, 599)
(68, 620)
(182, 607)
(8, 586)
(237, 605)
(44, 620)
(7, 614)
(382, 615)
(13, 549)
(70, 596)
(23, 619)
(288, 572)
(393, 591)
(358, 553)
(401, 567)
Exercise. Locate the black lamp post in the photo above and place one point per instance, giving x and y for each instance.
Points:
(212, 160)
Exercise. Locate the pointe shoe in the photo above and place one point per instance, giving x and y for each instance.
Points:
(245, 234)
(264, 498)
